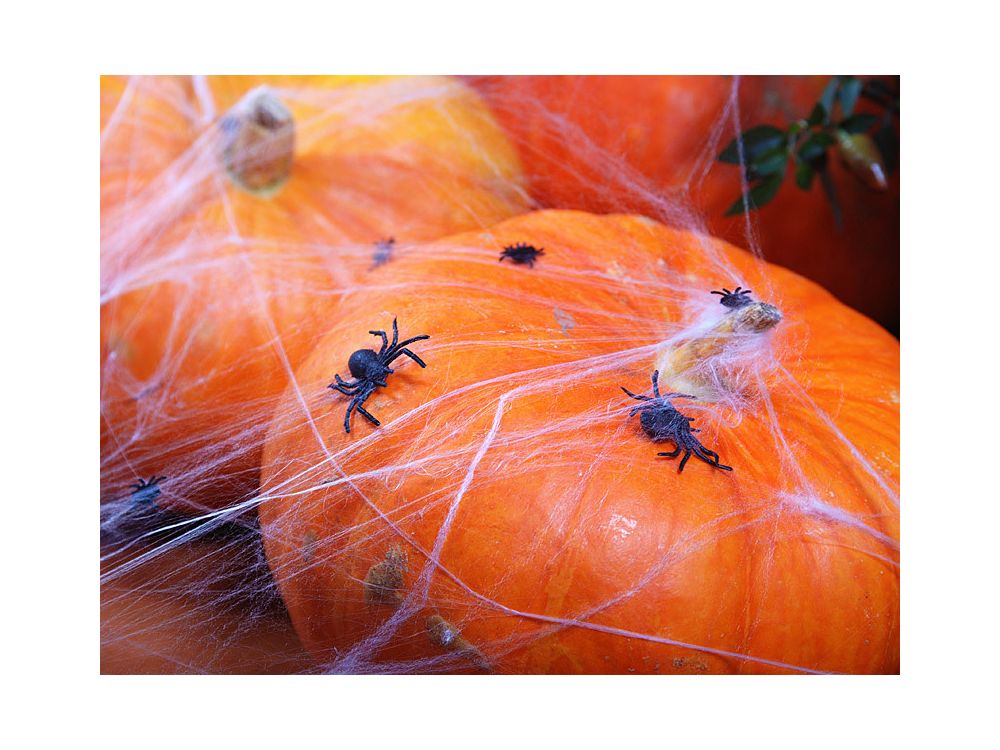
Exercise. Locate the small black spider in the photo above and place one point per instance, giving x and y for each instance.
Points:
(736, 298)
(383, 252)
(662, 422)
(146, 491)
(522, 253)
(370, 369)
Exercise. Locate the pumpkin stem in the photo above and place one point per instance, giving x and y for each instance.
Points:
(258, 142)
(692, 367)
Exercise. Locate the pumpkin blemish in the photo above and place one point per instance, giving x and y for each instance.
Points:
(446, 636)
(564, 319)
(384, 581)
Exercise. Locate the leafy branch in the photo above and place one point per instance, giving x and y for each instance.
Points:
(865, 141)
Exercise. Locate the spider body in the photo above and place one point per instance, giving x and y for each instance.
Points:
(146, 490)
(370, 370)
(522, 254)
(734, 299)
(365, 364)
(383, 252)
(661, 421)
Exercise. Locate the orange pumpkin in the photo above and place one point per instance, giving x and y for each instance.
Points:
(509, 514)
(612, 143)
(195, 607)
(242, 232)
(648, 144)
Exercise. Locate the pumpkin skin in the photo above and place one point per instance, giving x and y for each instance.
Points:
(609, 143)
(648, 144)
(211, 293)
(197, 607)
(560, 541)
(145, 129)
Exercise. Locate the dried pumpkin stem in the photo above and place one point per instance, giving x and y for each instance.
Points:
(684, 366)
(258, 142)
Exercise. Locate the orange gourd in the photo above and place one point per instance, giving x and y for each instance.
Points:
(235, 213)
(509, 515)
(648, 144)
(205, 606)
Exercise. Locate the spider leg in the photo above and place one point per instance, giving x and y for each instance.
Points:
(385, 341)
(396, 347)
(656, 383)
(703, 453)
(341, 389)
(346, 384)
(672, 454)
(409, 354)
(687, 455)
(395, 333)
(371, 419)
(347, 416)
(637, 398)
(701, 449)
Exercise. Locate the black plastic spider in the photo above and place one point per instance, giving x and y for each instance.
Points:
(661, 421)
(146, 491)
(370, 370)
(522, 253)
(736, 298)
(383, 252)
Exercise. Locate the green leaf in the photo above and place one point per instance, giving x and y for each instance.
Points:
(818, 115)
(859, 123)
(804, 175)
(831, 194)
(756, 141)
(815, 146)
(769, 163)
(759, 195)
(826, 98)
(850, 88)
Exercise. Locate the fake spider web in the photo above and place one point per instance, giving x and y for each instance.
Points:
(187, 585)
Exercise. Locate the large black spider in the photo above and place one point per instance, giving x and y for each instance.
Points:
(370, 370)
(661, 421)
(736, 298)
(522, 253)
(146, 490)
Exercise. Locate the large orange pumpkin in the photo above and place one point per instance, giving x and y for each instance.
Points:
(203, 606)
(648, 144)
(509, 515)
(226, 245)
